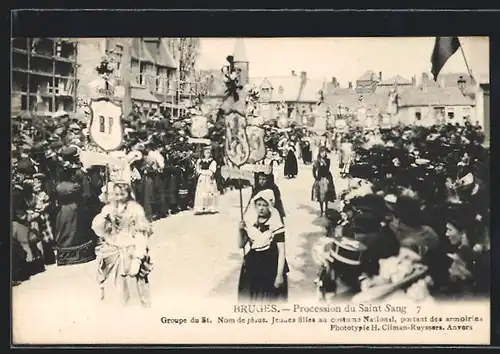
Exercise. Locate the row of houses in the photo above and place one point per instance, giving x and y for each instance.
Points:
(51, 75)
(453, 97)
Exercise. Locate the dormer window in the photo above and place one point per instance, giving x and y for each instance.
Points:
(266, 90)
(461, 84)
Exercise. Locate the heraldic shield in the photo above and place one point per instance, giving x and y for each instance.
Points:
(256, 142)
(236, 144)
(106, 130)
(199, 126)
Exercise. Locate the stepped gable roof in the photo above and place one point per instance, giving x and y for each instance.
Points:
(289, 84)
(367, 76)
(294, 89)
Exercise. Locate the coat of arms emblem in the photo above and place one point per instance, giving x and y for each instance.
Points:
(106, 130)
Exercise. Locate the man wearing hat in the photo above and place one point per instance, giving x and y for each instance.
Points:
(340, 257)
(69, 157)
(468, 260)
(408, 228)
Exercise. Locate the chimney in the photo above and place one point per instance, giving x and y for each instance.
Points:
(335, 82)
(293, 73)
(350, 85)
(380, 76)
(425, 80)
(414, 81)
(303, 75)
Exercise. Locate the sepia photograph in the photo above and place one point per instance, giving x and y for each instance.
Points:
(196, 190)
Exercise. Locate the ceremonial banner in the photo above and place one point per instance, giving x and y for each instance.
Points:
(319, 125)
(199, 141)
(94, 158)
(237, 147)
(106, 130)
(199, 126)
(256, 142)
(245, 172)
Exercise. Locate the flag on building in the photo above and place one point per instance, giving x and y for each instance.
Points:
(444, 48)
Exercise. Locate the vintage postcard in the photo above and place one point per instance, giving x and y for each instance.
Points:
(250, 190)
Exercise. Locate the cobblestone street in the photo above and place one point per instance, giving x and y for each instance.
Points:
(194, 256)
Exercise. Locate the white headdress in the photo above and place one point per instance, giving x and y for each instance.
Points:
(262, 240)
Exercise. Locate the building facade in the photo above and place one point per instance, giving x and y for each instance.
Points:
(44, 75)
(436, 105)
(144, 66)
(367, 83)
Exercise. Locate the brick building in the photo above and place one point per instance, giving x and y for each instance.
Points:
(43, 74)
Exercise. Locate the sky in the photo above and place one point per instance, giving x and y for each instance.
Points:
(344, 58)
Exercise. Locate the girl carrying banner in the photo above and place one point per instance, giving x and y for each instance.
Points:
(263, 275)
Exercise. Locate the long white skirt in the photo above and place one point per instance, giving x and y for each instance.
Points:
(205, 200)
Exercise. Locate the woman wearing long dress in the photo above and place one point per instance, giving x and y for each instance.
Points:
(306, 152)
(124, 262)
(263, 275)
(75, 241)
(323, 190)
(206, 189)
(27, 257)
(291, 167)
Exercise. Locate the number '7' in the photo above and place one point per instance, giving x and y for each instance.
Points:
(102, 124)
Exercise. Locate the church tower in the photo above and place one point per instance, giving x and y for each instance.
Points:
(241, 61)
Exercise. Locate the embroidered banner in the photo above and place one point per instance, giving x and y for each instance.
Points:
(256, 142)
(236, 143)
(105, 129)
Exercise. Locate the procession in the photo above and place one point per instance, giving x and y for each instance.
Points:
(355, 196)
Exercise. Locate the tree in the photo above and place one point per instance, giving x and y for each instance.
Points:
(206, 82)
(186, 52)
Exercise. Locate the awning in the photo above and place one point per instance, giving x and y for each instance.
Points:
(142, 94)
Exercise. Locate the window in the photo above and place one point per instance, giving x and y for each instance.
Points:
(118, 55)
(439, 113)
(418, 114)
(162, 80)
(136, 72)
(451, 113)
(466, 112)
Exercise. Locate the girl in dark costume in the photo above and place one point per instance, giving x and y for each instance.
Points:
(306, 152)
(265, 181)
(323, 190)
(291, 167)
(75, 240)
(263, 275)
